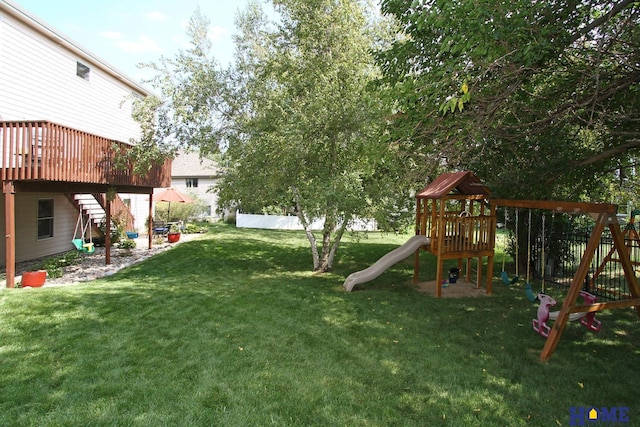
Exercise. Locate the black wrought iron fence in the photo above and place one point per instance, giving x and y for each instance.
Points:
(563, 249)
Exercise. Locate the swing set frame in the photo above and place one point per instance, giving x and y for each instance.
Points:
(605, 216)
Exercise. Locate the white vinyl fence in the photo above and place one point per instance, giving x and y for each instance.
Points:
(281, 222)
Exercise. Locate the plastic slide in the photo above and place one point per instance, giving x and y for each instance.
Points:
(385, 262)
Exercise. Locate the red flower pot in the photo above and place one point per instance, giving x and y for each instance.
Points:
(173, 237)
(33, 279)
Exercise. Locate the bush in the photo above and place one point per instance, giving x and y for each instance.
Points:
(195, 228)
(127, 244)
(54, 265)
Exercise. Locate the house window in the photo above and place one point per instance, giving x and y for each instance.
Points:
(192, 182)
(82, 70)
(45, 218)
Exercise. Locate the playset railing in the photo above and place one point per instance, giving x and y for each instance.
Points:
(462, 233)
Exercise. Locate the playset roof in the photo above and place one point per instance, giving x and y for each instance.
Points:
(465, 183)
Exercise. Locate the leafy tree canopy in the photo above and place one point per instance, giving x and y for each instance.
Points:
(189, 109)
(539, 98)
(307, 120)
(296, 120)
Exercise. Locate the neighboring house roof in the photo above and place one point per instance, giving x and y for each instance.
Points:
(461, 182)
(49, 32)
(191, 165)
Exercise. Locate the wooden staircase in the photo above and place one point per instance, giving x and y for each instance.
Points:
(93, 206)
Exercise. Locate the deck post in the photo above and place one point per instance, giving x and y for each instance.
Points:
(150, 225)
(10, 233)
(107, 232)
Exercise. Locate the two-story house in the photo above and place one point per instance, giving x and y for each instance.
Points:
(65, 115)
(196, 176)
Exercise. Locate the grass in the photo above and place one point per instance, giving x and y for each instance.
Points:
(233, 330)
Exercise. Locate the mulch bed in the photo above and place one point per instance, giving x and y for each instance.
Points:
(460, 289)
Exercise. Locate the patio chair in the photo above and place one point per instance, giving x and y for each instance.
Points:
(160, 228)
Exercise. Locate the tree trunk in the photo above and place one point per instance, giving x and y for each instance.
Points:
(327, 260)
(307, 230)
(322, 261)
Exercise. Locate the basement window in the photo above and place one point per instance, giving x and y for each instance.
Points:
(82, 70)
(45, 218)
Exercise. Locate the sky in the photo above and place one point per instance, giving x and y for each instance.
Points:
(124, 33)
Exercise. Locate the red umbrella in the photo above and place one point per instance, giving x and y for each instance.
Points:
(171, 195)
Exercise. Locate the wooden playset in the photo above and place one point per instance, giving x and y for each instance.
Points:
(454, 214)
(456, 219)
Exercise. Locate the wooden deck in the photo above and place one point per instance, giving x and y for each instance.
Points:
(43, 151)
(40, 156)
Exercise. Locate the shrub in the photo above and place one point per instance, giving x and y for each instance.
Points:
(54, 265)
(127, 244)
(195, 228)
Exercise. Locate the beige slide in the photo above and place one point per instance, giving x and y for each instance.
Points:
(385, 262)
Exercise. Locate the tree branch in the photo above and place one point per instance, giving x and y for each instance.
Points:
(612, 152)
(616, 9)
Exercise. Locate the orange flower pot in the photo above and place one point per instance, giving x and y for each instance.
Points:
(33, 279)
(173, 237)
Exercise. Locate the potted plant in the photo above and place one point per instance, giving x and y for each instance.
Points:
(33, 279)
(174, 233)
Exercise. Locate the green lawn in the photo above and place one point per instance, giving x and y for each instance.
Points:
(233, 330)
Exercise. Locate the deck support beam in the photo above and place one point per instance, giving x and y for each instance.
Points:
(10, 233)
(107, 232)
(150, 222)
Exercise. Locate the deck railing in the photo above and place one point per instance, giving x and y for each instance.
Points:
(46, 151)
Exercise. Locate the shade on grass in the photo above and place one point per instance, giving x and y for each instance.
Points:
(234, 330)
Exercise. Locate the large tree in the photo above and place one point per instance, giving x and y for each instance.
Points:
(541, 98)
(295, 120)
(307, 120)
(190, 111)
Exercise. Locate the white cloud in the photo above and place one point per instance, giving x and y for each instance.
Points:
(156, 16)
(181, 41)
(112, 35)
(143, 43)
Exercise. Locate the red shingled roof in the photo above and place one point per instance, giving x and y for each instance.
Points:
(459, 182)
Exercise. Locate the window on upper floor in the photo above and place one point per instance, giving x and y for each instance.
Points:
(45, 218)
(82, 70)
(192, 182)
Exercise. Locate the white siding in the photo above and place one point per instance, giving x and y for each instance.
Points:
(189, 165)
(139, 207)
(204, 184)
(39, 82)
(27, 244)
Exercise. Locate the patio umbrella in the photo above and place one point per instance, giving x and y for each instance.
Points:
(171, 195)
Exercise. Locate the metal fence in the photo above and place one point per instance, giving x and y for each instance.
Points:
(562, 248)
